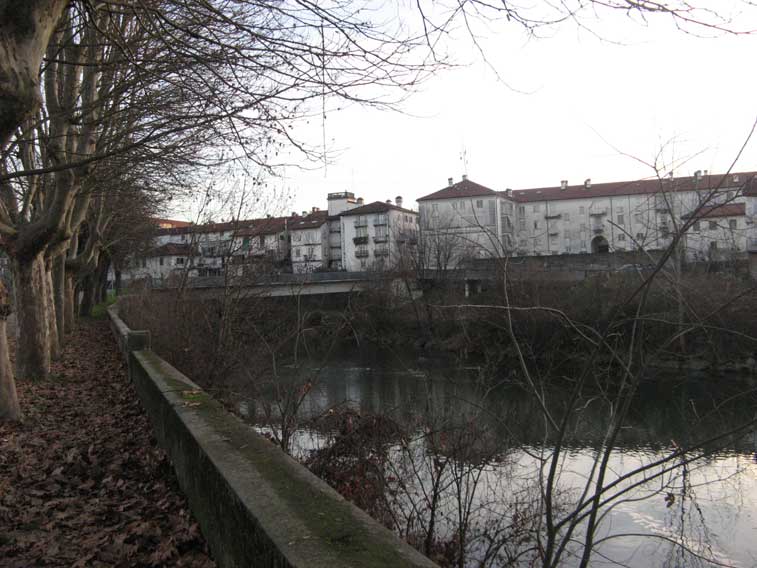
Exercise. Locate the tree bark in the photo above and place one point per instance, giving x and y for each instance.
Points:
(117, 283)
(51, 312)
(9, 407)
(88, 293)
(59, 291)
(70, 303)
(33, 347)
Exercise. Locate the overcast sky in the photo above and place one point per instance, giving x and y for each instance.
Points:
(563, 107)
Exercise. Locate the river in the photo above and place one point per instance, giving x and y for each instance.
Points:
(486, 446)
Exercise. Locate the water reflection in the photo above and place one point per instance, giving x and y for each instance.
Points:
(708, 505)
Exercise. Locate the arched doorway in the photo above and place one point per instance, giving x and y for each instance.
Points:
(599, 244)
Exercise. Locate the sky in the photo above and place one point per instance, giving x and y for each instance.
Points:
(534, 111)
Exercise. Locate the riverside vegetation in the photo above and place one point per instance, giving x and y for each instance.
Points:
(472, 482)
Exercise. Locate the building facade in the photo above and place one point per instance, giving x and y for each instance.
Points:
(476, 221)
(373, 236)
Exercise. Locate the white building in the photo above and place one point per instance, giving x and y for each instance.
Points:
(373, 235)
(588, 218)
(310, 242)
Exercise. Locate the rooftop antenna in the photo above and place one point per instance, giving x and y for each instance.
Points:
(464, 159)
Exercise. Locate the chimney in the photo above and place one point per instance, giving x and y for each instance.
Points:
(706, 172)
(450, 181)
(314, 209)
(268, 216)
(398, 200)
(465, 177)
(509, 192)
(304, 213)
(564, 184)
(359, 200)
(587, 183)
(698, 175)
(294, 213)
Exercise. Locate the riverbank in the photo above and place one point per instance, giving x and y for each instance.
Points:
(82, 481)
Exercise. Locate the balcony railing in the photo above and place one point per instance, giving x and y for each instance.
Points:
(751, 244)
(360, 240)
(361, 253)
(552, 215)
(381, 252)
(380, 238)
(598, 212)
(598, 230)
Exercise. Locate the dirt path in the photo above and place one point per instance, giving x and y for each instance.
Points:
(82, 482)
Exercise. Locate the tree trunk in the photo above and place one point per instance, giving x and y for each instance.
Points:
(52, 317)
(59, 291)
(9, 407)
(33, 348)
(117, 283)
(70, 303)
(88, 296)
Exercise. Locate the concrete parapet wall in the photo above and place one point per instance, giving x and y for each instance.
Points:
(256, 505)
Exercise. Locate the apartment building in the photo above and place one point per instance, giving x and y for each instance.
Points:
(375, 234)
(476, 221)
(310, 242)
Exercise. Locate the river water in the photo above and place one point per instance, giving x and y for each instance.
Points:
(486, 446)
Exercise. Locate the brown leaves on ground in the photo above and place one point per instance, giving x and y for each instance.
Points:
(82, 482)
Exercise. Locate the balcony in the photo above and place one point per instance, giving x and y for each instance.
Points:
(751, 244)
(598, 230)
(360, 240)
(380, 238)
(598, 213)
(552, 215)
(361, 253)
(381, 252)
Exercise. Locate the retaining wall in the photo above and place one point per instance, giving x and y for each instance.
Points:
(256, 505)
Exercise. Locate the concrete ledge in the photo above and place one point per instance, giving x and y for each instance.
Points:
(256, 505)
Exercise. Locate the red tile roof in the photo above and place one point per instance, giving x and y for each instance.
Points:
(727, 210)
(170, 223)
(375, 207)
(312, 221)
(745, 180)
(460, 190)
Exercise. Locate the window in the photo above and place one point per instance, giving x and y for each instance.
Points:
(521, 209)
(713, 225)
(179, 261)
(479, 203)
(637, 217)
(583, 226)
(582, 210)
(695, 226)
(144, 263)
(462, 206)
(536, 208)
(522, 224)
(566, 216)
(297, 252)
(621, 220)
(619, 209)
(262, 241)
(434, 208)
(733, 224)
(536, 224)
(640, 237)
(361, 231)
(622, 237)
(454, 205)
(583, 245)
(161, 261)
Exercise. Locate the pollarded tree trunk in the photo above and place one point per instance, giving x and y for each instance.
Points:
(59, 292)
(9, 407)
(33, 348)
(87, 296)
(70, 303)
(51, 312)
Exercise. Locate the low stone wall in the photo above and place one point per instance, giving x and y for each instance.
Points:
(256, 505)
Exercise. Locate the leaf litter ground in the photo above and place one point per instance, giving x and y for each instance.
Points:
(82, 482)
